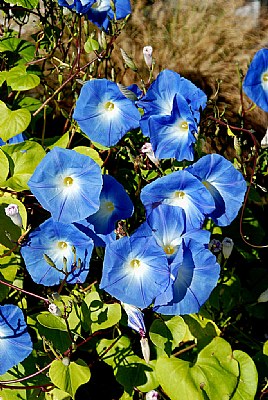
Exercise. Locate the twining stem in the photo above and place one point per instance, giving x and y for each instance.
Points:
(25, 291)
(255, 156)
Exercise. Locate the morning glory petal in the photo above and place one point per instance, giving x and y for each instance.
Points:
(103, 113)
(67, 184)
(180, 189)
(255, 84)
(115, 204)
(172, 136)
(197, 276)
(57, 240)
(135, 270)
(226, 185)
(15, 341)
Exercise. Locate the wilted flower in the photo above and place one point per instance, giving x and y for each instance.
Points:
(67, 184)
(256, 81)
(104, 113)
(148, 150)
(54, 249)
(12, 211)
(215, 246)
(147, 54)
(15, 341)
(227, 247)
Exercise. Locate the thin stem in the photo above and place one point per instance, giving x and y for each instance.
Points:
(25, 378)
(192, 346)
(25, 291)
(235, 128)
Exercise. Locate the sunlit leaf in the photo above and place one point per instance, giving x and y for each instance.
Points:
(19, 79)
(68, 377)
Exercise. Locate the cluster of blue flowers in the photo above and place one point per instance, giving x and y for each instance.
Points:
(100, 12)
(166, 262)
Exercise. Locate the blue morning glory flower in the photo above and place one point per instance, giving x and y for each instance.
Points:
(255, 84)
(196, 278)
(101, 13)
(67, 184)
(115, 204)
(15, 139)
(159, 98)
(50, 243)
(172, 135)
(180, 189)
(135, 270)
(15, 341)
(104, 113)
(226, 185)
(80, 6)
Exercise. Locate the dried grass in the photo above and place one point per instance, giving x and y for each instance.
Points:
(202, 40)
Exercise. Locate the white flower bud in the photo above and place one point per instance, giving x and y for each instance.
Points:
(54, 310)
(66, 361)
(227, 247)
(147, 54)
(263, 298)
(12, 211)
(152, 395)
(145, 348)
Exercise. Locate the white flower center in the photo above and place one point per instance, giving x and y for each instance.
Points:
(264, 80)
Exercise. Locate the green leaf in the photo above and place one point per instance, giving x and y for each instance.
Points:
(24, 158)
(19, 79)
(130, 370)
(91, 45)
(100, 315)
(166, 335)
(61, 141)
(12, 122)
(203, 329)
(4, 167)
(8, 270)
(265, 348)
(69, 377)
(25, 3)
(88, 151)
(214, 375)
(9, 44)
(248, 378)
(51, 321)
(30, 103)
(2, 77)
(57, 394)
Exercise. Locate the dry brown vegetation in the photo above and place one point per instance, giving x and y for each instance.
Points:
(204, 41)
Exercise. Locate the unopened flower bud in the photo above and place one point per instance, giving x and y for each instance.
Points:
(66, 361)
(263, 298)
(12, 211)
(152, 395)
(147, 54)
(227, 247)
(145, 349)
(54, 310)
(148, 150)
